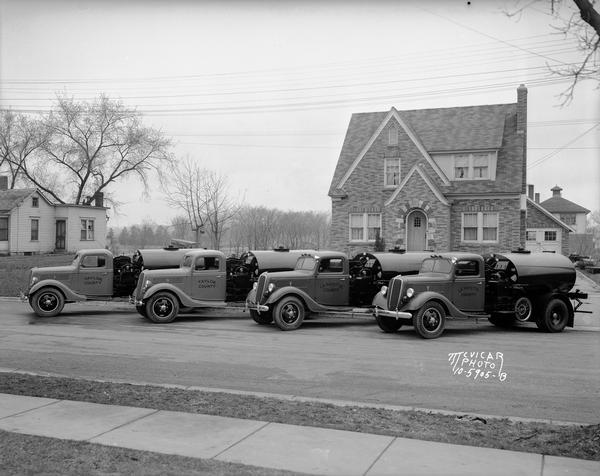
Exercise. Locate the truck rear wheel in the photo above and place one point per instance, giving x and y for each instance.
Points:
(429, 321)
(162, 308)
(289, 313)
(47, 302)
(388, 324)
(555, 317)
(262, 318)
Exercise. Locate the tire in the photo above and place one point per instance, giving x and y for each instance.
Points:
(142, 310)
(47, 302)
(429, 321)
(289, 313)
(263, 318)
(162, 307)
(502, 320)
(556, 316)
(523, 309)
(388, 324)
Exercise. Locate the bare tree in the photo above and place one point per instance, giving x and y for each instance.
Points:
(204, 196)
(90, 146)
(20, 137)
(579, 20)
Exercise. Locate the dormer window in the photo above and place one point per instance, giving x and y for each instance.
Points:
(468, 165)
(391, 166)
(393, 136)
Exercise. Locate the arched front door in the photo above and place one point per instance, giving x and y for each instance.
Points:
(416, 231)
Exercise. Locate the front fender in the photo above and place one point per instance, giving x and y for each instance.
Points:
(70, 295)
(380, 301)
(310, 303)
(185, 300)
(420, 299)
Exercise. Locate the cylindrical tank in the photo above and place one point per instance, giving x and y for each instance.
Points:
(158, 258)
(370, 271)
(543, 272)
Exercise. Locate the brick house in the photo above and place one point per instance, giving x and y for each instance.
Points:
(31, 224)
(573, 239)
(545, 231)
(433, 179)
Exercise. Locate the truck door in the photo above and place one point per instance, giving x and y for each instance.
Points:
(468, 288)
(208, 279)
(332, 283)
(95, 276)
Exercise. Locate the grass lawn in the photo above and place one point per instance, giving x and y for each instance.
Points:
(577, 441)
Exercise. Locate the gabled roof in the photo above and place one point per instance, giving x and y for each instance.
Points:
(562, 205)
(430, 183)
(555, 219)
(436, 130)
(9, 199)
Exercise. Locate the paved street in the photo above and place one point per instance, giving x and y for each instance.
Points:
(549, 376)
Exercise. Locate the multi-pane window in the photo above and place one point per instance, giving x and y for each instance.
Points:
(87, 230)
(480, 227)
(531, 235)
(35, 229)
(391, 171)
(365, 226)
(393, 136)
(474, 166)
(35, 202)
(3, 228)
(550, 235)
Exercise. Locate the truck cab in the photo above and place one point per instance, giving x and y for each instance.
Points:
(199, 282)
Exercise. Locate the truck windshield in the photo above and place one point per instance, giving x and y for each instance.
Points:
(306, 263)
(437, 265)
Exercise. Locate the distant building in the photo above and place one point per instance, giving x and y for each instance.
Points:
(575, 216)
(31, 224)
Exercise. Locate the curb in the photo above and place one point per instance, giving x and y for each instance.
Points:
(296, 398)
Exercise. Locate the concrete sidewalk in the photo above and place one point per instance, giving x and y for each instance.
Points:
(269, 445)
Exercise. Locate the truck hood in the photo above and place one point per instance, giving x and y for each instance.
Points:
(52, 272)
(285, 277)
(425, 278)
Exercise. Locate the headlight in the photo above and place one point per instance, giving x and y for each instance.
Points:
(147, 285)
(410, 292)
(34, 280)
(383, 290)
(254, 286)
(271, 287)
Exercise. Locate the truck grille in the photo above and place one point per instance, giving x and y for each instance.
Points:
(260, 289)
(394, 293)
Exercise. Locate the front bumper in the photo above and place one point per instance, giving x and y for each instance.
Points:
(377, 311)
(134, 301)
(23, 297)
(256, 307)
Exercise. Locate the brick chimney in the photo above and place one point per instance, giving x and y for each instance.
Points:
(3, 183)
(522, 109)
(530, 191)
(537, 198)
(98, 199)
(556, 191)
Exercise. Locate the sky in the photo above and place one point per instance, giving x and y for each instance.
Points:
(263, 91)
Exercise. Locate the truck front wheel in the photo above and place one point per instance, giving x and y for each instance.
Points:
(388, 324)
(162, 308)
(555, 317)
(47, 302)
(429, 321)
(262, 318)
(289, 313)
